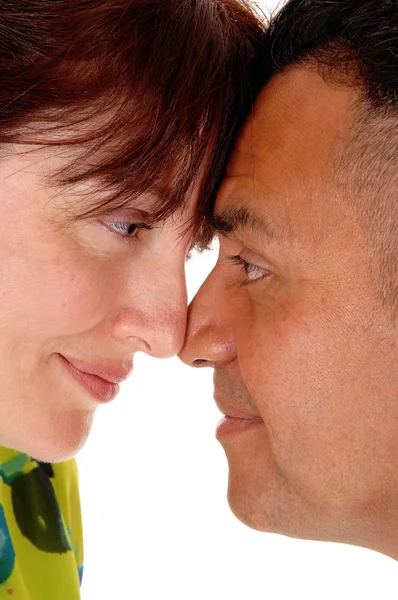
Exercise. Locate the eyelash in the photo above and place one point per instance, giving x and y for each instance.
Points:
(249, 269)
(118, 226)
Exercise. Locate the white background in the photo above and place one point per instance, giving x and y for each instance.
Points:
(156, 521)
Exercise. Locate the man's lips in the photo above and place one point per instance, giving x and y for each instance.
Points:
(235, 412)
(236, 420)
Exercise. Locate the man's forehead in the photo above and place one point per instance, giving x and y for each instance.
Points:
(296, 111)
(285, 154)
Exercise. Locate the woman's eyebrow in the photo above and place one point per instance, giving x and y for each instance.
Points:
(239, 218)
(92, 191)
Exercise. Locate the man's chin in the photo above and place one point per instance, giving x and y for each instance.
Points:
(261, 501)
(245, 515)
(282, 514)
(254, 486)
(255, 517)
(246, 506)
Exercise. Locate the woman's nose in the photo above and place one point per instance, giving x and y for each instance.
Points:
(154, 320)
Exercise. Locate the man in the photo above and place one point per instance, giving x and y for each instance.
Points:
(303, 336)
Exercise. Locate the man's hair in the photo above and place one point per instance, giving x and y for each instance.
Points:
(146, 91)
(355, 43)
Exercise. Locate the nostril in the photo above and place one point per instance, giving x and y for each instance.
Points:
(199, 362)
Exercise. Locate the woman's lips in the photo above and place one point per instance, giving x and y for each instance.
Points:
(101, 389)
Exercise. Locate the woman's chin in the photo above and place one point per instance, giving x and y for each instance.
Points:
(55, 440)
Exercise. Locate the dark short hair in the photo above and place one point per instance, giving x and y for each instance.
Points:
(356, 36)
(356, 43)
(144, 89)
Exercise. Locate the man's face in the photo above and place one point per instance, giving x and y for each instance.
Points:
(304, 350)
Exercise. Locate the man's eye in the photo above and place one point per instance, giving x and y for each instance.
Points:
(252, 272)
(128, 230)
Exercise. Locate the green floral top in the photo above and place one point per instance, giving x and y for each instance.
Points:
(41, 541)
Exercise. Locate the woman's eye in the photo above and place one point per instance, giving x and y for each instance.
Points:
(128, 230)
(252, 272)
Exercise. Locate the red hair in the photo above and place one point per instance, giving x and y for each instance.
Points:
(142, 89)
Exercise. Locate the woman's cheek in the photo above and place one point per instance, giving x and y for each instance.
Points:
(70, 298)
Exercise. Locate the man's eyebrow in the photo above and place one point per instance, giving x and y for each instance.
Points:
(238, 218)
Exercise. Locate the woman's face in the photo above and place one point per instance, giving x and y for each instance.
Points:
(77, 299)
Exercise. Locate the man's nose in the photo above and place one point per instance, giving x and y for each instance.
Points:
(154, 320)
(209, 340)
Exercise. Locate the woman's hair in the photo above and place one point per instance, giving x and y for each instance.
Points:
(146, 91)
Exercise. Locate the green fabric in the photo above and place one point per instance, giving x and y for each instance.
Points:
(41, 541)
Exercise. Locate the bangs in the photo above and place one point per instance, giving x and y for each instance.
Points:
(142, 97)
(117, 151)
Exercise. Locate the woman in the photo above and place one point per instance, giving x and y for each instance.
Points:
(115, 122)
